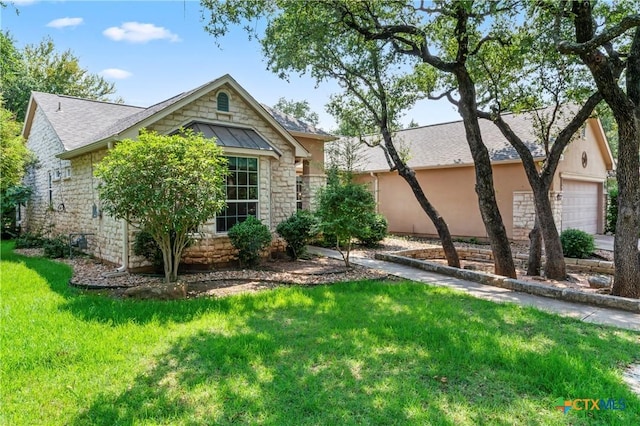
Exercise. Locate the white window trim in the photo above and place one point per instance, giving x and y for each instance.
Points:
(257, 201)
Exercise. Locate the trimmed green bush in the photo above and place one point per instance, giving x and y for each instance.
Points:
(144, 245)
(374, 231)
(297, 231)
(577, 243)
(612, 211)
(56, 247)
(250, 238)
(29, 240)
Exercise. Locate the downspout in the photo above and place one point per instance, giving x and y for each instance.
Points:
(125, 236)
(125, 247)
(375, 189)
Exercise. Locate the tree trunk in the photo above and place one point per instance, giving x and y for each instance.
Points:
(626, 111)
(554, 266)
(449, 249)
(535, 250)
(626, 257)
(491, 216)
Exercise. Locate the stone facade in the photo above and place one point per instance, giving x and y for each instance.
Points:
(524, 212)
(75, 206)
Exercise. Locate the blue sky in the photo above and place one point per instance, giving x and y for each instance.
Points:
(154, 50)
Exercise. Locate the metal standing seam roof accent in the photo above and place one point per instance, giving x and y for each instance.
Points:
(232, 137)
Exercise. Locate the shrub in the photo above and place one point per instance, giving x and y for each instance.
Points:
(144, 245)
(56, 247)
(577, 243)
(343, 208)
(250, 238)
(612, 211)
(374, 231)
(297, 231)
(29, 240)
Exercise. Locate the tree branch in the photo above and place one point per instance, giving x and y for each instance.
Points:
(606, 36)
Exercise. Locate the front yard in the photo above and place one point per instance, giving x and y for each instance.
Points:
(351, 353)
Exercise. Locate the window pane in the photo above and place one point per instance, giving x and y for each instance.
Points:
(242, 178)
(232, 193)
(253, 178)
(221, 224)
(233, 161)
(253, 193)
(253, 164)
(242, 193)
(242, 163)
(253, 209)
(242, 209)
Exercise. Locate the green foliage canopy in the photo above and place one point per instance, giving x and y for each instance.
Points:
(166, 185)
(343, 208)
(42, 68)
(14, 155)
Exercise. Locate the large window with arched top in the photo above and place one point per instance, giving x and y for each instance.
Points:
(223, 102)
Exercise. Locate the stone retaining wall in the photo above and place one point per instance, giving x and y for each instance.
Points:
(570, 295)
(520, 259)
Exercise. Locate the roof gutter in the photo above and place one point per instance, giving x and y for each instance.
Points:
(451, 166)
(101, 144)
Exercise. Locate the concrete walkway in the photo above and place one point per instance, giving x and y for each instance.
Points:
(605, 242)
(586, 313)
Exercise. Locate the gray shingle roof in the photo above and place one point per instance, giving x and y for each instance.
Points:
(78, 121)
(445, 145)
(293, 124)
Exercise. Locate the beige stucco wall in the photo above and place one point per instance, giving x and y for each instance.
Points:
(595, 148)
(452, 192)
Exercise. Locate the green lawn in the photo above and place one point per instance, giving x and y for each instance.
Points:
(353, 353)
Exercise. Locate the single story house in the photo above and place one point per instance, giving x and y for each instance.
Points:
(265, 147)
(442, 160)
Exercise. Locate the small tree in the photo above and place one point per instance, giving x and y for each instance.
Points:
(342, 209)
(166, 185)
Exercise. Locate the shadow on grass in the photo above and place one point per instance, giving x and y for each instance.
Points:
(369, 353)
(95, 307)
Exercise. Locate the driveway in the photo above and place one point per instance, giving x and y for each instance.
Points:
(605, 242)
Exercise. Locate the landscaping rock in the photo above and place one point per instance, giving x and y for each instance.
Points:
(599, 281)
(158, 292)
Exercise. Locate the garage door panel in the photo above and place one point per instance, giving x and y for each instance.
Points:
(580, 205)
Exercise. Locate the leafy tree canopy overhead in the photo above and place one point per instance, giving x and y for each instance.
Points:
(40, 67)
(298, 109)
(13, 152)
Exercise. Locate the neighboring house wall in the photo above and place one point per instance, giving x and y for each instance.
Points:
(452, 192)
(577, 194)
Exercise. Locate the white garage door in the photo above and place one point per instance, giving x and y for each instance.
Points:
(580, 205)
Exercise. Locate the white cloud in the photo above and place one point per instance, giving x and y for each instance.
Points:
(65, 22)
(137, 32)
(115, 73)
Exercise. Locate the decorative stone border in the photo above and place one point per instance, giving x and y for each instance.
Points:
(520, 259)
(408, 258)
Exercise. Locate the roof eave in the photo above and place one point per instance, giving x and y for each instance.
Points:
(86, 149)
(319, 136)
(451, 166)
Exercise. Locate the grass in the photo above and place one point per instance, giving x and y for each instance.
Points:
(352, 353)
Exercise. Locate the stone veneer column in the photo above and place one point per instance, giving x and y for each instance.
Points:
(310, 186)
